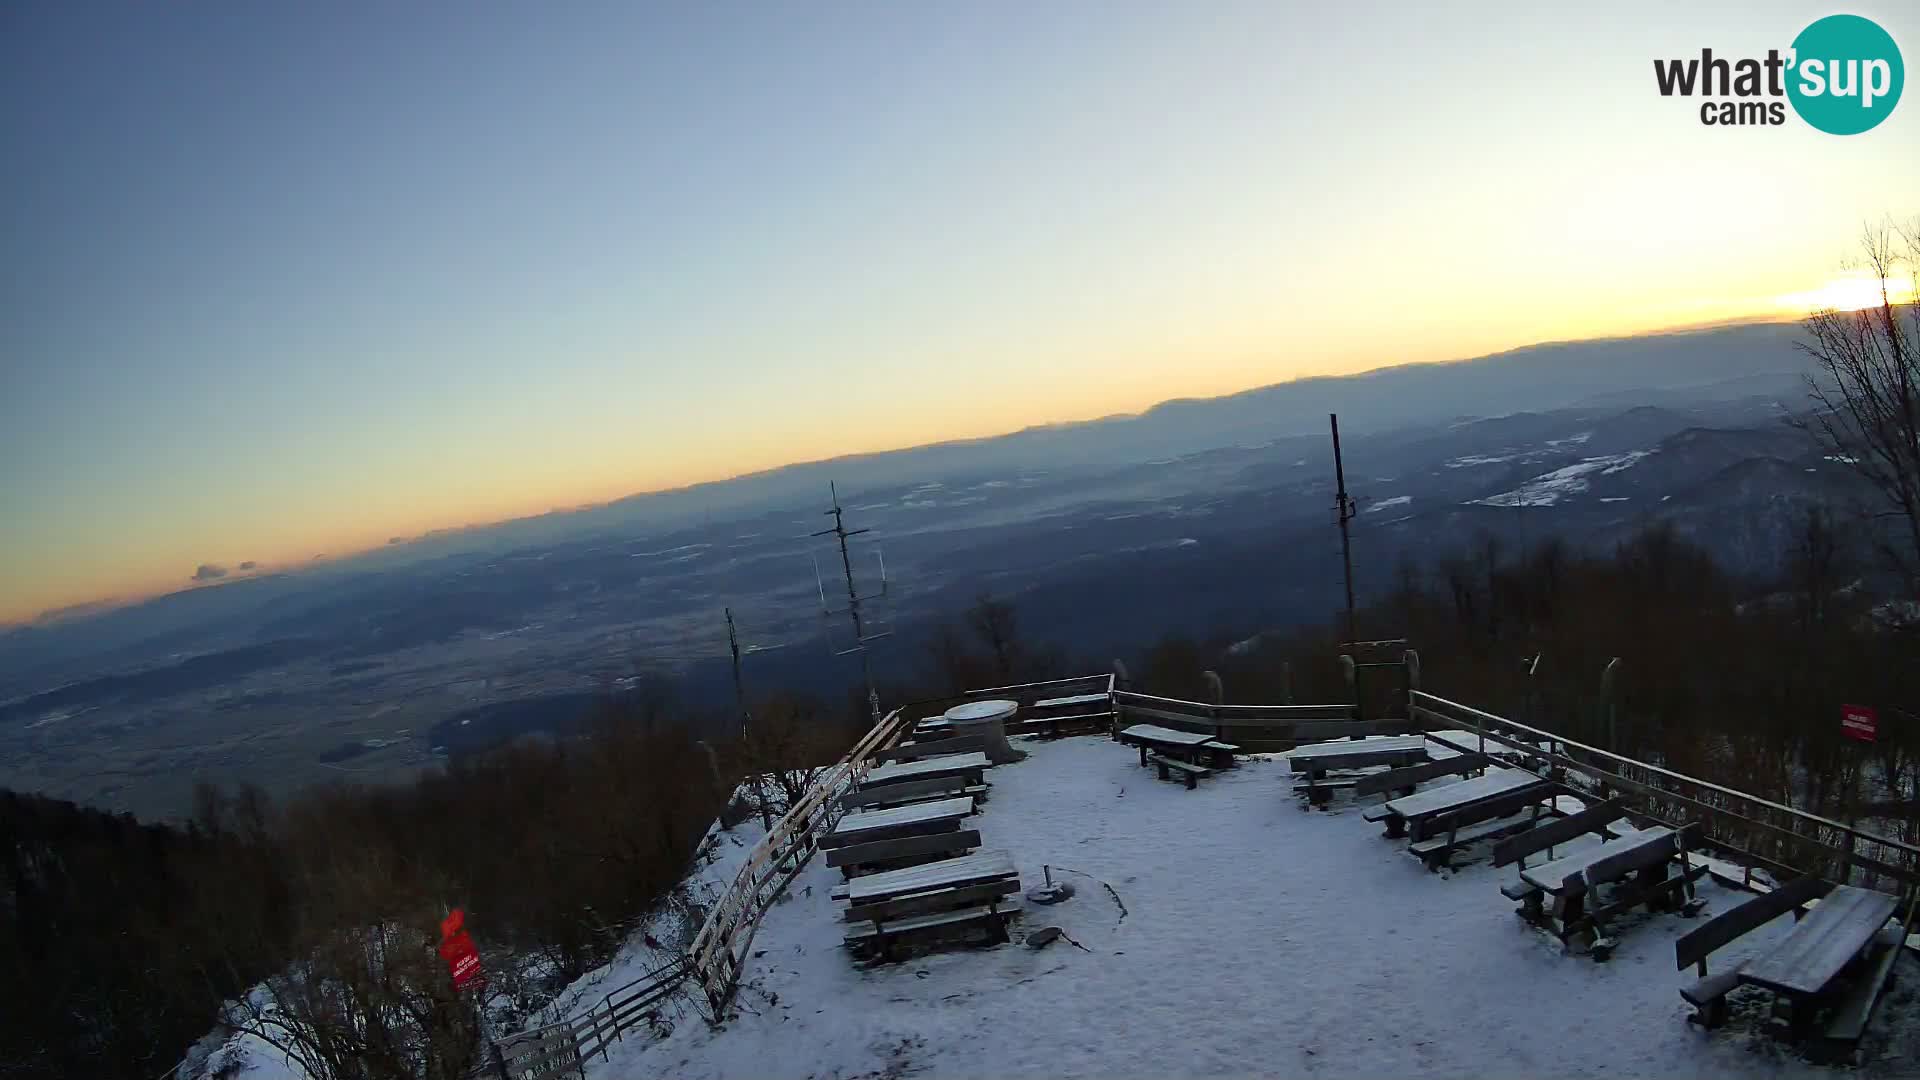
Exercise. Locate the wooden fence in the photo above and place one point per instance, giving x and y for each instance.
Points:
(1256, 728)
(1778, 837)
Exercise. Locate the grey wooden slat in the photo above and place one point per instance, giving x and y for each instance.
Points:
(905, 789)
(915, 751)
(1563, 874)
(1497, 807)
(933, 901)
(1744, 918)
(948, 765)
(903, 848)
(859, 930)
(1554, 833)
(1822, 943)
(1395, 779)
(1438, 800)
(980, 866)
(1154, 734)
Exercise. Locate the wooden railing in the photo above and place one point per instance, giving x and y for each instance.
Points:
(1257, 728)
(1765, 832)
(718, 949)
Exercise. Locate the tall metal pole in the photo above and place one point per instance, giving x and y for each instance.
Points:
(1343, 506)
(746, 721)
(842, 533)
(739, 686)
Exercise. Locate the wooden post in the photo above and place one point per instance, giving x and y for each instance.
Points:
(1286, 682)
(1216, 690)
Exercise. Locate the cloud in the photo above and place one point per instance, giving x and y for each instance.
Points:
(209, 572)
(248, 565)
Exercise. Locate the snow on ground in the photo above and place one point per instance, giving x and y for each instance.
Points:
(1549, 488)
(1397, 500)
(1256, 938)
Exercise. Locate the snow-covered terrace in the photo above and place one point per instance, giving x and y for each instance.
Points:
(1242, 936)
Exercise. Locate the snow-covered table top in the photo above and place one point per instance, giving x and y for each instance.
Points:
(1553, 876)
(1822, 942)
(965, 870)
(916, 814)
(1384, 745)
(942, 765)
(1447, 797)
(1155, 733)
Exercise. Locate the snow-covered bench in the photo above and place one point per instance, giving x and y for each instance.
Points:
(1708, 995)
(911, 791)
(1406, 779)
(1187, 770)
(906, 851)
(1488, 819)
(1572, 881)
(1596, 819)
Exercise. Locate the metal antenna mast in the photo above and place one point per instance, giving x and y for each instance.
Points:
(854, 599)
(1344, 510)
(739, 686)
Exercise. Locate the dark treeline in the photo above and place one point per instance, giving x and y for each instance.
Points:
(1733, 681)
(125, 939)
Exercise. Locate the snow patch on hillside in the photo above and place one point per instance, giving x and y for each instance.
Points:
(1549, 488)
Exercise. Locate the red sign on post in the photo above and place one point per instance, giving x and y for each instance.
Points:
(457, 949)
(1859, 722)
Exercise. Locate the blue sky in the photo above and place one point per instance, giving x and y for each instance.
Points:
(290, 279)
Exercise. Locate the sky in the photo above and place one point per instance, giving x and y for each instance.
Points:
(289, 279)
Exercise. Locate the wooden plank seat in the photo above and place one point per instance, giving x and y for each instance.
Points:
(973, 766)
(916, 751)
(890, 824)
(1596, 819)
(880, 938)
(932, 901)
(1854, 1010)
(1642, 870)
(911, 791)
(1316, 763)
(905, 851)
(1411, 814)
(1404, 779)
(1708, 994)
(1187, 770)
(1489, 819)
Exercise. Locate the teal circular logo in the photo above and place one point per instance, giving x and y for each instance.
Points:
(1846, 74)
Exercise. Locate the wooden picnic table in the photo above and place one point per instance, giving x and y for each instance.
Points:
(1376, 750)
(1187, 745)
(968, 765)
(915, 820)
(1804, 963)
(1418, 808)
(947, 873)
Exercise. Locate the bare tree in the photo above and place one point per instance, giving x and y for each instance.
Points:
(1867, 388)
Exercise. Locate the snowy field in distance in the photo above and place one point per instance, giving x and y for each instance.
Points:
(1257, 939)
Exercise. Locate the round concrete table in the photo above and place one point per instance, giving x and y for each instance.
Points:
(987, 719)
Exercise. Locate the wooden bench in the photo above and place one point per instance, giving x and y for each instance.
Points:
(1708, 994)
(933, 901)
(1188, 771)
(880, 937)
(1515, 849)
(1854, 1010)
(911, 791)
(1491, 819)
(1642, 866)
(916, 751)
(1222, 752)
(1406, 778)
(906, 851)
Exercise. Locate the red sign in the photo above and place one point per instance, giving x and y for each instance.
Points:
(457, 949)
(1859, 722)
